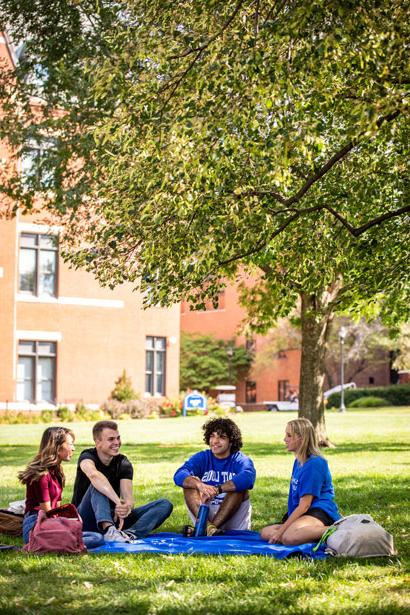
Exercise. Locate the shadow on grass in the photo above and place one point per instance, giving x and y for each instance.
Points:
(18, 455)
(372, 447)
(137, 584)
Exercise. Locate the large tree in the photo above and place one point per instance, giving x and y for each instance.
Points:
(195, 139)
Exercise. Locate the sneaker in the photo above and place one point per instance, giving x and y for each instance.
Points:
(114, 535)
(131, 535)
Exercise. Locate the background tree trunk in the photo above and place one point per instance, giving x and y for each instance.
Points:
(315, 320)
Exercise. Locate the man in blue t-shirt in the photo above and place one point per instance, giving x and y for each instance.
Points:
(221, 476)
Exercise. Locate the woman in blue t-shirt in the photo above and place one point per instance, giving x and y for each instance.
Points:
(311, 505)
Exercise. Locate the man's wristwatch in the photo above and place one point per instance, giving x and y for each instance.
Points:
(219, 489)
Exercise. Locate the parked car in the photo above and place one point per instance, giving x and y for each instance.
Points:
(281, 406)
(289, 406)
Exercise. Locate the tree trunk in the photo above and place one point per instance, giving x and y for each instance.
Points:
(315, 329)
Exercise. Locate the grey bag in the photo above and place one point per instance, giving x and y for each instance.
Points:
(359, 536)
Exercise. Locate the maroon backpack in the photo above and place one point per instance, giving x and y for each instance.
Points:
(57, 531)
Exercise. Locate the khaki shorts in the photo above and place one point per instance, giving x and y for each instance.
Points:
(241, 520)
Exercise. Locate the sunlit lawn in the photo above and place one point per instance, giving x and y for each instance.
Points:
(370, 466)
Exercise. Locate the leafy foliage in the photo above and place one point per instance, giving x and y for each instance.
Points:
(123, 390)
(402, 348)
(369, 402)
(395, 395)
(366, 343)
(195, 139)
(206, 362)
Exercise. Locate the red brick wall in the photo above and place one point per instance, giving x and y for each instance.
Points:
(224, 323)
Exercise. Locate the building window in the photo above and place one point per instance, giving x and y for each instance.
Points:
(283, 386)
(371, 379)
(250, 392)
(209, 306)
(36, 163)
(38, 264)
(250, 345)
(155, 356)
(36, 371)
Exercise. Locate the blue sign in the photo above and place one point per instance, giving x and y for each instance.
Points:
(194, 401)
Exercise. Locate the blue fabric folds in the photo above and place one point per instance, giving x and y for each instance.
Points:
(231, 543)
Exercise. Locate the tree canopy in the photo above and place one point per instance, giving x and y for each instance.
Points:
(225, 118)
(194, 140)
(218, 124)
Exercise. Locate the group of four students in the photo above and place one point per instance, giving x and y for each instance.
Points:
(220, 476)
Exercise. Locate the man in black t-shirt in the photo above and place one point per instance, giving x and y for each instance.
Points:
(103, 491)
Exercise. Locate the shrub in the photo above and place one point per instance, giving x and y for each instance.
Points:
(395, 395)
(123, 390)
(221, 411)
(82, 413)
(135, 408)
(114, 408)
(144, 408)
(46, 416)
(65, 414)
(171, 407)
(11, 417)
(368, 402)
(7, 418)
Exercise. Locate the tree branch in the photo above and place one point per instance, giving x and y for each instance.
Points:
(359, 230)
(342, 153)
(202, 48)
(176, 84)
(355, 231)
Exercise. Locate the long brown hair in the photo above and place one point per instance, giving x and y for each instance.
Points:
(309, 444)
(47, 456)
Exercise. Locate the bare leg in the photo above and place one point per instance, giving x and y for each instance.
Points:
(304, 529)
(267, 531)
(229, 506)
(192, 500)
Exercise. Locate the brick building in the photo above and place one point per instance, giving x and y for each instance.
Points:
(279, 380)
(274, 382)
(63, 338)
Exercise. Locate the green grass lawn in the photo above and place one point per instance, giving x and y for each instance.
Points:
(370, 467)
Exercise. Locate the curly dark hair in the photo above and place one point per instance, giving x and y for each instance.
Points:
(225, 427)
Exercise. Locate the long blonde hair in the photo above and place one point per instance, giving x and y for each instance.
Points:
(309, 444)
(47, 456)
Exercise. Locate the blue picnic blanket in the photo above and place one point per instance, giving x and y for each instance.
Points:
(234, 542)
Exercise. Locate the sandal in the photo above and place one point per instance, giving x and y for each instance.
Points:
(212, 530)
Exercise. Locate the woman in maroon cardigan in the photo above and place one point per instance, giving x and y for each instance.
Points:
(44, 476)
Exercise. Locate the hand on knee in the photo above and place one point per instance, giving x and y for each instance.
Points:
(289, 539)
(266, 532)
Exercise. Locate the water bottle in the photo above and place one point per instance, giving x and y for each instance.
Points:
(200, 524)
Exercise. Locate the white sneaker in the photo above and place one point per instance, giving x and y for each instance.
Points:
(114, 535)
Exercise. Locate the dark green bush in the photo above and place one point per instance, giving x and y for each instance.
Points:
(369, 402)
(395, 395)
